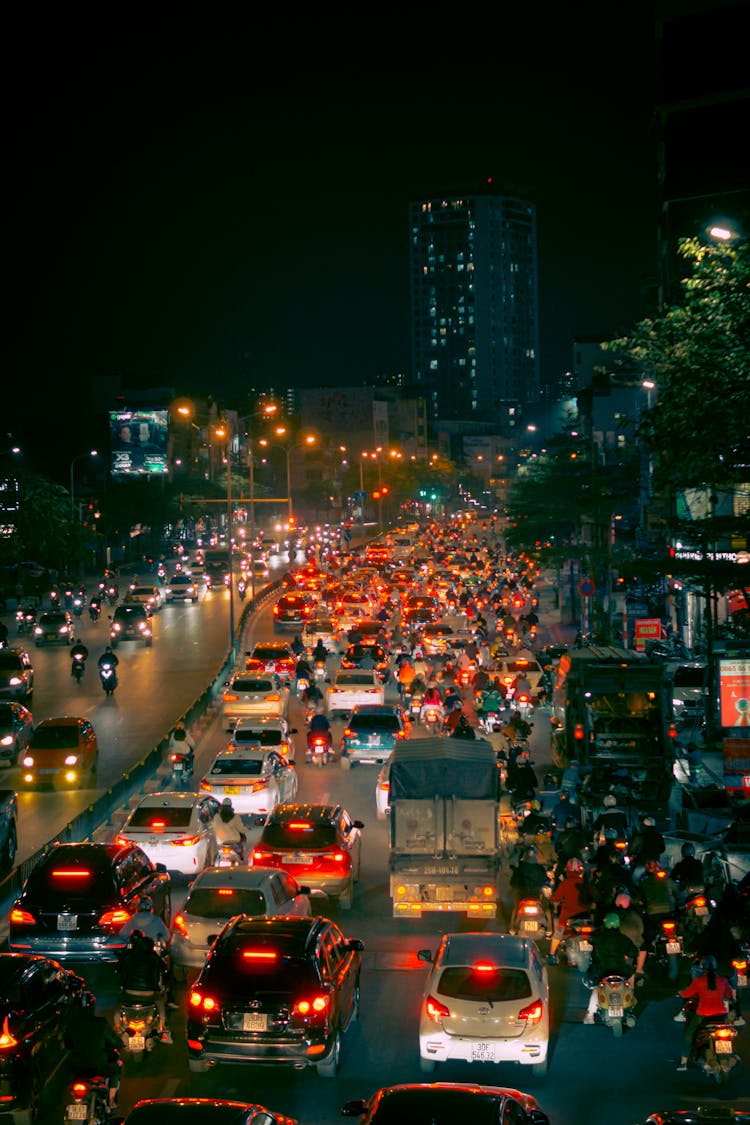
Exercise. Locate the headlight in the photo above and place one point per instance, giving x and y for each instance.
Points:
(7, 740)
(28, 762)
(71, 759)
(116, 627)
(38, 629)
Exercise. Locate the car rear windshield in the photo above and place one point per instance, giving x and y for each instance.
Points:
(425, 1107)
(63, 882)
(154, 816)
(260, 737)
(463, 982)
(55, 738)
(225, 902)
(374, 722)
(237, 767)
(354, 679)
(129, 613)
(271, 652)
(6, 715)
(52, 619)
(305, 836)
(254, 978)
(253, 685)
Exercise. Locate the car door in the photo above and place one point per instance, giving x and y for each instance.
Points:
(44, 1002)
(339, 964)
(349, 838)
(285, 777)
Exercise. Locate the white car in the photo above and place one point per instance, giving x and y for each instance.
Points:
(173, 829)
(217, 894)
(383, 791)
(352, 687)
(150, 596)
(181, 588)
(486, 999)
(267, 732)
(255, 779)
(248, 695)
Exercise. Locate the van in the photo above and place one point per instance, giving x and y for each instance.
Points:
(402, 547)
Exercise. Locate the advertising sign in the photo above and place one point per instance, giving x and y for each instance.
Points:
(737, 765)
(646, 629)
(734, 692)
(138, 442)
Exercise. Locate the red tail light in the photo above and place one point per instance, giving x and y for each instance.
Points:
(668, 927)
(115, 917)
(79, 1090)
(533, 1013)
(185, 842)
(724, 1033)
(740, 966)
(200, 1001)
(528, 906)
(524, 698)
(19, 917)
(698, 901)
(578, 732)
(434, 1010)
(179, 925)
(315, 1006)
(7, 1039)
(263, 858)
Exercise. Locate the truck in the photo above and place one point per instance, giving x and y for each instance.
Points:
(444, 847)
(612, 713)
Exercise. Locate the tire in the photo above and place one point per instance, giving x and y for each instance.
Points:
(539, 1070)
(10, 849)
(197, 1066)
(328, 1068)
(617, 1029)
(346, 898)
(427, 1066)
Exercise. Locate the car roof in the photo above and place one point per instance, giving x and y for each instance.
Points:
(169, 800)
(88, 852)
(296, 932)
(504, 949)
(314, 813)
(61, 721)
(192, 1111)
(243, 753)
(244, 877)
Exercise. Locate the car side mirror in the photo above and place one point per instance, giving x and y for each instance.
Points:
(355, 944)
(425, 955)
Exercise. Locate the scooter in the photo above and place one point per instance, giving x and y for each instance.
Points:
(77, 605)
(615, 1002)
(432, 718)
(577, 942)
(138, 1024)
(522, 704)
(666, 948)
(531, 919)
(319, 749)
(182, 769)
(228, 855)
(87, 1100)
(241, 590)
(714, 1050)
(78, 667)
(108, 677)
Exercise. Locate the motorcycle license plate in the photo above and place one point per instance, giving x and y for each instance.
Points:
(231, 789)
(483, 1052)
(585, 946)
(530, 925)
(137, 1043)
(701, 911)
(723, 1046)
(674, 947)
(615, 1013)
(67, 921)
(254, 1021)
(78, 1111)
(742, 980)
(178, 767)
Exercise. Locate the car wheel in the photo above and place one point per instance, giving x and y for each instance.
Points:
(329, 1067)
(9, 851)
(427, 1066)
(346, 898)
(540, 1069)
(197, 1066)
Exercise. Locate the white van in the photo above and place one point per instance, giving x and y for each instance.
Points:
(402, 547)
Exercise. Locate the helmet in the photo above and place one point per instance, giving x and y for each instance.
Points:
(610, 801)
(227, 803)
(649, 822)
(688, 850)
(623, 900)
(574, 866)
(612, 921)
(709, 962)
(652, 867)
(146, 903)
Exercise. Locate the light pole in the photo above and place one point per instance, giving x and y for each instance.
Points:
(304, 443)
(79, 457)
(222, 432)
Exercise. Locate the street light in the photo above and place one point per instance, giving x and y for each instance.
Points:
(305, 443)
(79, 457)
(222, 432)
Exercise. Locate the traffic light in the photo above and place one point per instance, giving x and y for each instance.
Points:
(384, 489)
(376, 495)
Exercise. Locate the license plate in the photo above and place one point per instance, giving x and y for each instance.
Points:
(482, 1052)
(271, 667)
(233, 789)
(742, 980)
(723, 1046)
(701, 911)
(674, 947)
(530, 925)
(178, 767)
(78, 1111)
(585, 946)
(67, 921)
(373, 740)
(615, 1013)
(254, 1021)
(137, 1043)
(300, 857)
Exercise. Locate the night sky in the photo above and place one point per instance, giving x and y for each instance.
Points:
(209, 206)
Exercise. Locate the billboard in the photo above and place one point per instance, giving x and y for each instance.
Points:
(138, 442)
(734, 692)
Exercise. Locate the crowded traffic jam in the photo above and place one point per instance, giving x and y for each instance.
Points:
(410, 792)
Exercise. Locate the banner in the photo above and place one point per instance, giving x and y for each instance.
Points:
(734, 693)
(138, 442)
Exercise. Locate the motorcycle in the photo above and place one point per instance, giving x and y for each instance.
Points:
(523, 705)
(697, 913)
(615, 1002)
(95, 610)
(25, 619)
(87, 1100)
(531, 919)
(320, 671)
(108, 678)
(78, 667)
(112, 593)
(319, 748)
(491, 722)
(182, 769)
(241, 590)
(666, 948)
(415, 706)
(432, 718)
(714, 1050)
(577, 942)
(138, 1024)
(77, 605)
(228, 855)
(302, 685)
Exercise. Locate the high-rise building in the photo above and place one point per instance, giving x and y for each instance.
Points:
(475, 315)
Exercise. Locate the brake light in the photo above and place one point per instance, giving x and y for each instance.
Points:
(385, 786)
(523, 698)
(79, 1090)
(348, 733)
(259, 955)
(724, 1033)
(578, 732)
(118, 916)
(230, 697)
(434, 1010)
(262, 858)
(484, 967)
(668, 926)
(186, 842)
(225, 892)
(586, 929)
(207, 1004)
(19, 917)
(315, 1007)
(273, 698)
(529, 908)
(740, 966)
(158, 825)
(206, 786)
(299, 824)
(699, 901)
(533, 1013)
(73, 873)
(179, 925)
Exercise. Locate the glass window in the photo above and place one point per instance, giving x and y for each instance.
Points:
(463, 982)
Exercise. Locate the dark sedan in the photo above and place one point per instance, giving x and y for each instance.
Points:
(16, 726)
(200, 1111)
(445, 1103)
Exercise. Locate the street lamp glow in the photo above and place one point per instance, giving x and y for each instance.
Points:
(722, 233)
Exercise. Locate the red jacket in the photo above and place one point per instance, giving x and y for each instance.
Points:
(573, 895)
(711, 1001)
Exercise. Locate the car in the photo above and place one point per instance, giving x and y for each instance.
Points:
(437, 638)
(292, 610)
(16, 726)
(275, 990)
(16, 674)
(131, 622)
(371, 632)
(78, 896)
(255, 778)
(145, 595)
(62, 751)
(371, 733)
(271, 732)
(39, 999)
(357, 653)
(486, 999)
(198, 1111)
(181, 588)
(216, 895)
(352, 687)
(348, 609)
(320, 628)
(173, 829)
(249, 695)
(706, 1114)
(54, 627)
(523, 664)
(272, 656)
(441, 1102)
(319, 844)
(256, 571)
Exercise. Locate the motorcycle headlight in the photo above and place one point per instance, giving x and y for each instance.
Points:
(7, 740)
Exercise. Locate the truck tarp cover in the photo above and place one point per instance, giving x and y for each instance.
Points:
(444, 767)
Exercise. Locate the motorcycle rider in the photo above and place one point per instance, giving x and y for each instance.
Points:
(572, 896)
(562, 811)
(303, 671)
(142, 974)
(93, 1046)
(648, 842)
(148, 922)
(319, 653)
(79, 654)
(431, 700)
(229, 828)
(611, 817)
(658, 896)
(522, 781)
(527, 880)
(463, 728)
(319, 724)
(631, 924)
(108, 660)
(180, 742)
(613, 954)
(714, 992)
(687, 874)
(405, 677)
(570, 844)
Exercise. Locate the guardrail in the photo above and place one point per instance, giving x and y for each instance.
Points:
(82, 826)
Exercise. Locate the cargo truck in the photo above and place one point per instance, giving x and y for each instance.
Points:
(444, 827)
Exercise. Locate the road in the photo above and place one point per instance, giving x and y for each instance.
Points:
(593, 1078)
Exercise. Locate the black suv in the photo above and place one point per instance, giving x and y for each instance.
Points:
(275, 990)
(79, 896)
(292, 610)
(37, 998)
(131, 623)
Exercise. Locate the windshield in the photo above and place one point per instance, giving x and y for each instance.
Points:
(271, 652)
(55, 738)
(263, 737)
(224, 902)
(237, 767)
(9, 662)
(374, 722)
(253, 685)
(355, 679)
(311, 836)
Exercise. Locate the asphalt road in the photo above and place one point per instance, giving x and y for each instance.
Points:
(593, 1078)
